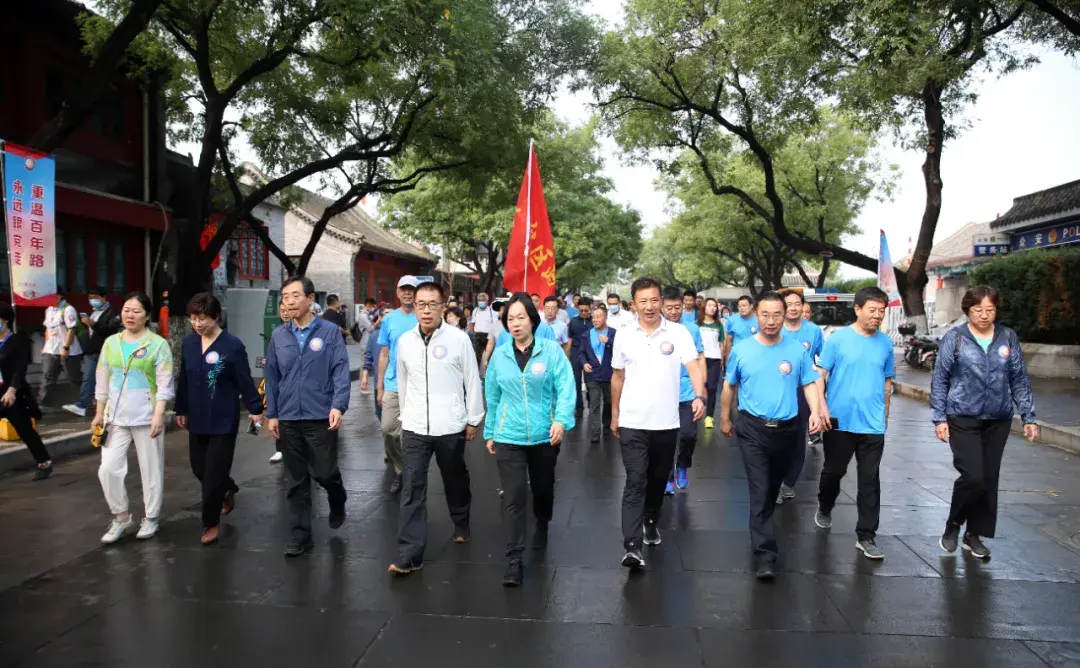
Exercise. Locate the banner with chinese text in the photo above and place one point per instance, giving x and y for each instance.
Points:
(29, 198)
(530, 255)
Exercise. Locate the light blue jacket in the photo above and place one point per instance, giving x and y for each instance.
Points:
(521, 405)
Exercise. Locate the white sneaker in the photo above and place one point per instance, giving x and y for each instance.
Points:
(117, 529)
(147, 529)
(275, 458)
(72, 408)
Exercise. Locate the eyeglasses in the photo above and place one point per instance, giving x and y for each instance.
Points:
(428, 306)
(990, 310)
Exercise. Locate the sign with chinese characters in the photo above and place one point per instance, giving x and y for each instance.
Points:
(990, 245)
(29, 198)
(1058, 235)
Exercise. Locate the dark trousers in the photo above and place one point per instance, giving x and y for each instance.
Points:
(378, 406)
(449, 451)
(23, 426)
(309, 450)
(799, 456)
(766, 453)
(687, 436)
(647, 457)
(579, 371)
(839, 446)
(977, 447)
(480, 340)
(519, 467)
(714, 372)
(599, 406)
(211, 462)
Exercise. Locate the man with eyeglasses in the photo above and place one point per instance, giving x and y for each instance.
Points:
(442, 404)
(386, 390)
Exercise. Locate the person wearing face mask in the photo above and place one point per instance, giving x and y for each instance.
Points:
(214, 374)
(617, 318)
(134, 382)
(17, 404)
(285, 316)
(102, 323)
(483, 324)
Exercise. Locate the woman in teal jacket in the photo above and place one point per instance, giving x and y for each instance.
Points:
(530, 404)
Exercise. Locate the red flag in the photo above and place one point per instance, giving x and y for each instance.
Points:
(530, 258)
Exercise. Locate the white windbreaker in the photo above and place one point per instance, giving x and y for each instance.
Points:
(439, 388)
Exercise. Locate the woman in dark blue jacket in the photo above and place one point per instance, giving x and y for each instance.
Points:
(979, 375)
(214, 374)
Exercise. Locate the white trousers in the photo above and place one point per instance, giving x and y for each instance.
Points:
(114, 468)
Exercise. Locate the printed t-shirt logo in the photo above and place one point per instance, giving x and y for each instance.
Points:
(439, 352)
(212, 357)
(785, 368)
(806, 344)
(140, 353)
(316, 344)
(667, 347)
(538, 368)
(753, 330)
(1004, 351)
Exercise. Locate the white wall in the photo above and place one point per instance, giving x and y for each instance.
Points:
(331, 267)
(274, 217)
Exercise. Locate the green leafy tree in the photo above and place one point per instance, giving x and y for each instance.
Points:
(471, 214)
(672, 263)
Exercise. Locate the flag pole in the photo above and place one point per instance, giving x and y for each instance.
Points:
(528, 217)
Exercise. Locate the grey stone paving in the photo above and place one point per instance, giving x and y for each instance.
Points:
(66, 601)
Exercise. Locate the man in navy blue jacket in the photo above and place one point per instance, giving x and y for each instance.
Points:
(307, 392)
(594, 357)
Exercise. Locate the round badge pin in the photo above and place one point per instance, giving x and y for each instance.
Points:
(806, 344)
(212, 357)
(1004, 351)
(667, 347)
(439, 352)
(140, 353)
(538, 368)
(316, 344)
(753, 330)
(785, 368)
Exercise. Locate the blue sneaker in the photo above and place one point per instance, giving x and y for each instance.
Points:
(682, 481)
(670, 489)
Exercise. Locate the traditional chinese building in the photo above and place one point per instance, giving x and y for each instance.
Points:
(1046, 219)
(950, 262)
(110, 173)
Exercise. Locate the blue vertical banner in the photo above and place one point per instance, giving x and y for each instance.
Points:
(886, 277)
(30, 211)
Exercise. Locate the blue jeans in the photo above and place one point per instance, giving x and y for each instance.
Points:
(89, 372)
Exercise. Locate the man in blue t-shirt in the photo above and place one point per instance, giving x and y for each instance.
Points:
(674, 310)
(858, 363)
(741, 325)
(811, 338)
(688, 314)
(767, 370)
(394, 325)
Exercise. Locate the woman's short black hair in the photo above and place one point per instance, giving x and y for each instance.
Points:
(206, 304)
(143, 300)
(456, 310)
(525, 300)
(973, 297)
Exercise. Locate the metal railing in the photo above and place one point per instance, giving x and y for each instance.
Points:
(896, 317)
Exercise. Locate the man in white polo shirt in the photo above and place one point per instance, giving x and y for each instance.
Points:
(483, 323)
(618, 318)
(647, 363)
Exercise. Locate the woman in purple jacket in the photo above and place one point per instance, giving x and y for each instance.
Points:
(979, 375)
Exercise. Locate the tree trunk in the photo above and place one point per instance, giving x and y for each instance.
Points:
(912, 294)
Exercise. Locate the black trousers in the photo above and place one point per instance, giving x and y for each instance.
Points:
(309, 449)
(24, 427)
(449, 451)
(799, 458)
(977, 447)
(839, 447)
(211, 462)
(579, 371)
(688, 430)
(647, 457)
(480, 340)
(714, 372)
(519, 467)
(766, 453)
(599, 406)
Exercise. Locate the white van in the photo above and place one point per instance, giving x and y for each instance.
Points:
(830, 310)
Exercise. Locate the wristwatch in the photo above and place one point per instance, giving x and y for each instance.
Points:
(68, 348)
(702, 397)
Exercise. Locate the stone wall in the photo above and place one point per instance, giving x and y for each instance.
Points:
(1049, 361)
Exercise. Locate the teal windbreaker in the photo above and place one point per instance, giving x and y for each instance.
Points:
(521, 405)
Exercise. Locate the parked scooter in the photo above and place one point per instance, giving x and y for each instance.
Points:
(920, 352)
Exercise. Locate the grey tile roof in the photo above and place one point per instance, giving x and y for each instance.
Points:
(954, 249)
(357, 222)
(1043, 203)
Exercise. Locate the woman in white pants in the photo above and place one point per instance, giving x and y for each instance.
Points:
(134, 381)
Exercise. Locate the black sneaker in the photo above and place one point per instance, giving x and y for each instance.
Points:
(515, 571)
(296, 548)
(766, 572)
(595, 438)
(42, 472)
(395, 486)
(950, 537)
(337, 517)
(405, 566)
(633, 559)
(652, 533)
(461, 535)
(540, 536)
(975, 546)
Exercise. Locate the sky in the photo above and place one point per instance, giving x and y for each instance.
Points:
(1023, 136)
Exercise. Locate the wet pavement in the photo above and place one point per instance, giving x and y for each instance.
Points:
(67, 601)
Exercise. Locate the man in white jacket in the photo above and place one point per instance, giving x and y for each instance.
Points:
(442, 404)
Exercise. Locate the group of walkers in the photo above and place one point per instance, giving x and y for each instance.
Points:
(649, 371)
